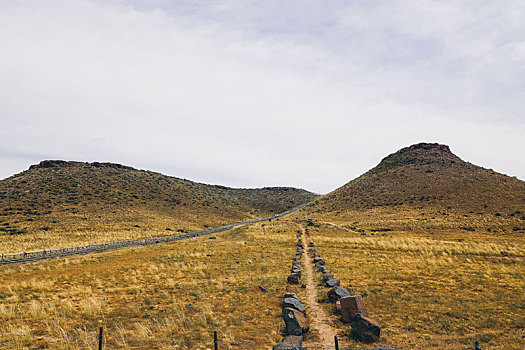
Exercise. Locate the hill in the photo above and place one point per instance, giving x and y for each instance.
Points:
(61, 196)
(429, 185)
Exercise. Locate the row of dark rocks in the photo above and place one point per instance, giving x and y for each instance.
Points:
(294, 313)
(351, 307)
(295, 274)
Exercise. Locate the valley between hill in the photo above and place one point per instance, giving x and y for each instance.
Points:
(433, 244)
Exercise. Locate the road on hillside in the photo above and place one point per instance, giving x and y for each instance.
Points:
(7, 259)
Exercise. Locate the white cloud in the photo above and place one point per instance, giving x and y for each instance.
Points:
(260, 93)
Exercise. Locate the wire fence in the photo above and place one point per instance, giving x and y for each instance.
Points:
(24, 341)
(6, 259)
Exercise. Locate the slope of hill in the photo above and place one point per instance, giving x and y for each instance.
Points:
(427, 182)
(60, 196)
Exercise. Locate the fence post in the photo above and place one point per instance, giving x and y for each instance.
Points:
(336, 343)
(100, 338)
(216, 345)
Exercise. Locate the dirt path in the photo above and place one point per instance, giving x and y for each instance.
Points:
(319, 319)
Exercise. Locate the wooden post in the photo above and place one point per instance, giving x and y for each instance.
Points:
(216, 345)
(336, 343)
(100, 338)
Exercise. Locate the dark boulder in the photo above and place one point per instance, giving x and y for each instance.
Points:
(290, 295)
(294, 278)
(294, 303)
(319, 262)
(295, 321)
(321, 269)
(351, 306)
(327, 275)
(332, 282)
(337, 293)
(365, 329)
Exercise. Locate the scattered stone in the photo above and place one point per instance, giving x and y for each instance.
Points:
(365, 329)
(351, 306)
(332, 282)
(327, 275)
(295, 321)
(337, 293)
(290, 295)
(294, 278)
(311, 244)
(321, 269)
(290, 342)
(319, 262)
(263, 288)
(296, 270)
(294, 303)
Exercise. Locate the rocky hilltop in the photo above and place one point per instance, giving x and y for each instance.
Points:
(429, 178)
(421, 153)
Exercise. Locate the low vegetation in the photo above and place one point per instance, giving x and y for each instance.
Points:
(434, 245)
(57, 203)
(182, 291)
(442, 291)
(426, 187)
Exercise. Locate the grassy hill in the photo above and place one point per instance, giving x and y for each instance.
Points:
(427, 186)
(103, 201)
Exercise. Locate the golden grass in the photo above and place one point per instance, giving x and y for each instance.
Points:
(182, 290)
(426, 220)
(440, 289)
(432, 291)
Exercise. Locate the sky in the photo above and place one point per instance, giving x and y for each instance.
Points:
(308, 94)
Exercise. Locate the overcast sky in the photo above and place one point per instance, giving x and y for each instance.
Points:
(260, 93)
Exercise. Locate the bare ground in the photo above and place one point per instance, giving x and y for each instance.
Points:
(319, 320)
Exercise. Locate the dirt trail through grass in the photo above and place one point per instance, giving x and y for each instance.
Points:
(319, 319)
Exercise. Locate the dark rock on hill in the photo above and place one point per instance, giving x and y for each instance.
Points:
(421, 153)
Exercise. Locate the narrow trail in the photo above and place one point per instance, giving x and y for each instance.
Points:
(319, 320)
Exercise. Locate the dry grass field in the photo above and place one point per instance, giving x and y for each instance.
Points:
(440, 290)
(183, 290)
(69, 237)
(443, 290)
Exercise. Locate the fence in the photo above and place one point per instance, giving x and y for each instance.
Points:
(100, 342)
(6, 259)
